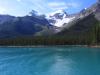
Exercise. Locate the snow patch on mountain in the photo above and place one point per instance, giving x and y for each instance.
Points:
(61, 12)
(60, 18)
(60, 23)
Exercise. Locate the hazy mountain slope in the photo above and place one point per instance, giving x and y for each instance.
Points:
(84, 20)
(82, 25)
(21, 26)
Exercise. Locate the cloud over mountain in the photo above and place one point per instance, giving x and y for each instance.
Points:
(62, 5)
(22, 7)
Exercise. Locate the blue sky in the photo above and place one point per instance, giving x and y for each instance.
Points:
(23, 7)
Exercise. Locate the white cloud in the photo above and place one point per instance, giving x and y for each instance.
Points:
(18, 0)
(55, 4)
(46, 6)
(39, 5)
(74, 5)
(62, 5)
(2, 10)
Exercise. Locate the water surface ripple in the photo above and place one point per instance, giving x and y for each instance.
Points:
(50, 61)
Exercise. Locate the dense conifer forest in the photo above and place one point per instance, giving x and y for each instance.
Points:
(92, 37)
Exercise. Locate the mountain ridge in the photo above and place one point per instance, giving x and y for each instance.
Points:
(59, 28)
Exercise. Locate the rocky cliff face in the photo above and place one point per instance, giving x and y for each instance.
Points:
(84, 20)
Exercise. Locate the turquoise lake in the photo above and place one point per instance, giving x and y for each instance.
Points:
(50, 61)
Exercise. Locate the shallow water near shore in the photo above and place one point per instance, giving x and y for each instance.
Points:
(49, 61)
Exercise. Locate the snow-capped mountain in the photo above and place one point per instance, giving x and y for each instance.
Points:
(60, 18)
(55, 23)
(94, 9)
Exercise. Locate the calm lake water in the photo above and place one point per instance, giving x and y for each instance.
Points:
(50, 61)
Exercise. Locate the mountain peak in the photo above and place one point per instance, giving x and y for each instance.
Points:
(58, 12)
(59, 18)
(99, 1)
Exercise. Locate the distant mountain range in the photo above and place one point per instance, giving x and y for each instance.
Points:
(11, 26)
(57, 24)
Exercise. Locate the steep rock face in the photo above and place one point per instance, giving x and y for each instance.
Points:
(84, 20)
(62, 21)
(94, 9)
(98, 0)
(81, 26)
(97, 12)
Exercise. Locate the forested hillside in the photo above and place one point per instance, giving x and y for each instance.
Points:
(84, 32)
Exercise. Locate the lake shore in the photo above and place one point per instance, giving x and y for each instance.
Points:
(32, 46)
(94, 46)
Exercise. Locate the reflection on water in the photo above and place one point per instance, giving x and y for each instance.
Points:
(50, 61)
